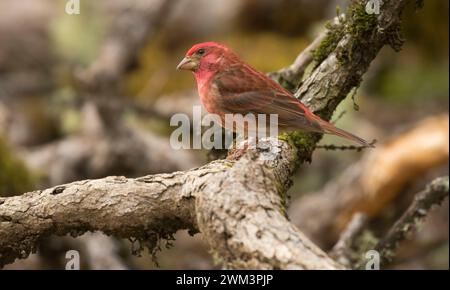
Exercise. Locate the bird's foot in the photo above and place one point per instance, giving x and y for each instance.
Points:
(238, 149)
(236, 154)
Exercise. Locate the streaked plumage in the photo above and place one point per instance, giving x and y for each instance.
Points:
(226, 84)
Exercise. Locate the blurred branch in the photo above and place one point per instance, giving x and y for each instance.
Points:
(165, 106)
(434, 193)
(97, 252)
(77, 157)
(372, 183)
(342, 252)
(106, 145)
(292, 75)
(26, 54)
(102, 252)
(134, 24)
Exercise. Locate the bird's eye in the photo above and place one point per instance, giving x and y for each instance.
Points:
(201, 51)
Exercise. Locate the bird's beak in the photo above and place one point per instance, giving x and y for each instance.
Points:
(188, 63)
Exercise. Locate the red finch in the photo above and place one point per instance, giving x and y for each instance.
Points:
(227, 85)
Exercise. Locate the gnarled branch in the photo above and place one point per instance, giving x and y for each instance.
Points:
(244, 230)
(241, 213)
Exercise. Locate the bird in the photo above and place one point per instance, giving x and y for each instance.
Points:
(228, 85)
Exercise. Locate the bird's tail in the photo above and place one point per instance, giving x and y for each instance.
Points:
(331, 129)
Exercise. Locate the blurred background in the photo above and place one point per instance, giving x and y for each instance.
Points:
(90, 95)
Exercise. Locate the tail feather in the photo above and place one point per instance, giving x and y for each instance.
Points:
(331, 129)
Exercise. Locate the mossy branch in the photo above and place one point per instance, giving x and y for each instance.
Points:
(245, 230)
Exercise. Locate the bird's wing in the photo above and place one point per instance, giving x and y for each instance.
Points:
(244, 90)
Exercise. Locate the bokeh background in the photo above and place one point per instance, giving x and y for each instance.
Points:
(62, 117)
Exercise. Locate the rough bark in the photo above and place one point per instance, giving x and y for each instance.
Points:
(237, 205)
(359, 39)
(244, 231)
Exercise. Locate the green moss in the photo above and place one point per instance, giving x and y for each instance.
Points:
(303, 142)
(281, 190)
(285, 80)
(360, 23)
(329, 43)
(14, 177)
(361, 26)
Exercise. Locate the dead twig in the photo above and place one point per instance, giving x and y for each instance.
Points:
(343, 252)
(434, 193)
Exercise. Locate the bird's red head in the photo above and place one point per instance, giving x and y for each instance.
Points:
(206, 56)
(206, 46)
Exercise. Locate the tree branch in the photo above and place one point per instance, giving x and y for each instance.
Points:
(342, 251)
(355, 44)
(291, 76)
(243, 230)
(373, 182)
(107, 145)
(434, 193)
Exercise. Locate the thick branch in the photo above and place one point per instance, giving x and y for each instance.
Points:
(115, 205)
(240, 213)
(359, 40)
(245, 230)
